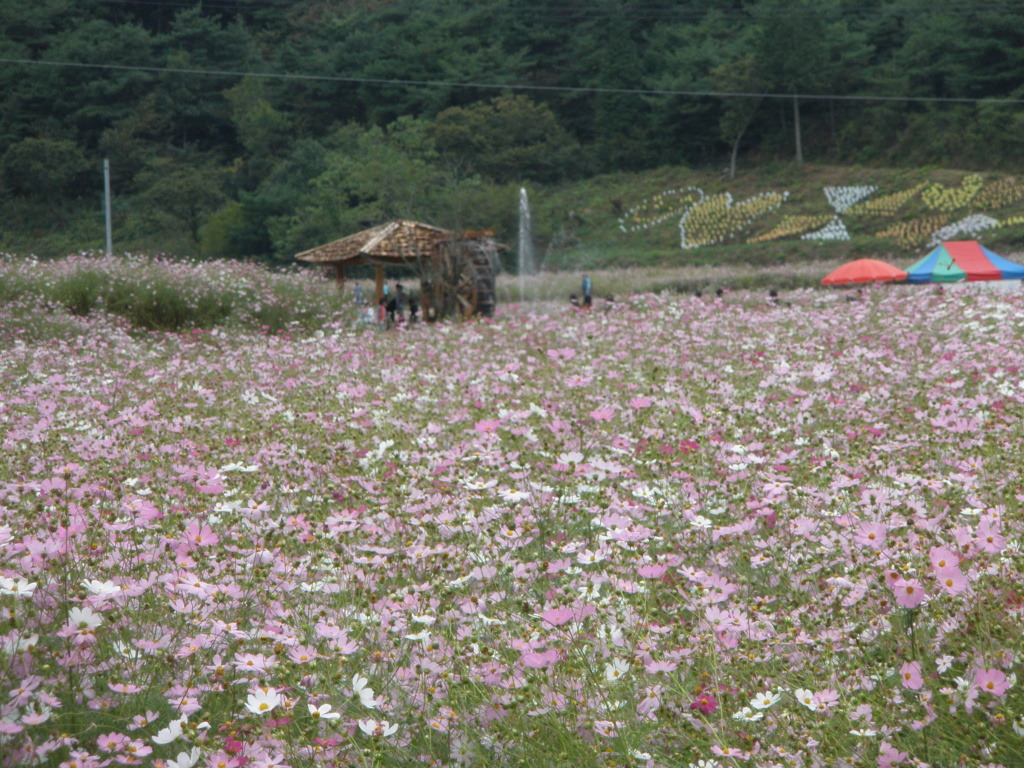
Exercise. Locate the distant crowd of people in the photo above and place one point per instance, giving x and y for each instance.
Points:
(391, 308)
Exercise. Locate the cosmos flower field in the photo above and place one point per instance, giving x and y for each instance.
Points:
(670, 531)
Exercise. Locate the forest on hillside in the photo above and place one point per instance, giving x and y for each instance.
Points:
(263, 127)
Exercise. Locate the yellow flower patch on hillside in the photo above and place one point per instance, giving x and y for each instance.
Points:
(916, 232)
(790, 226)
(887, 205)
(938, 197)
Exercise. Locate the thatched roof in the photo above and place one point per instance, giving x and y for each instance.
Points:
(396, 242)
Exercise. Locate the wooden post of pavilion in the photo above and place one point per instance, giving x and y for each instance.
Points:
(339, 275)
(378, 280)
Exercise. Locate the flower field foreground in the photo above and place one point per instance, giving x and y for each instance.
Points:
(665, 532)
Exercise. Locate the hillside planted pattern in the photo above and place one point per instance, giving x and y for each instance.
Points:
(922, 215)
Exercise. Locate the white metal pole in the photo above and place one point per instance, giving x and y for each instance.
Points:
(106, 205)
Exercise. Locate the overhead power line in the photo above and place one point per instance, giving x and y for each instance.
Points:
(956, 8)
(513, 86)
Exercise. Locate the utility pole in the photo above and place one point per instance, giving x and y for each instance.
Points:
(106, 204)
(796, 123)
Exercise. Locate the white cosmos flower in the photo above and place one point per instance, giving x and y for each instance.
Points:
(424, 619)
(418, 636)
(19, 588)
(171, 732)
(377, 728)
(509, 495)
(263, 700)
(185, 759)
(84, 618)
(323, 712)
(765, 700)
(748, 715)
(806, 698)
(363, 691)
(100, 587)
(17, 643)
(615, 669)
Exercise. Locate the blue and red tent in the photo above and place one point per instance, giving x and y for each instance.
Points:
(963, 260)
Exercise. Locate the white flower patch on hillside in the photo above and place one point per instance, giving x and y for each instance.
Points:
(968, 225)
(834, 231)
(842, 198)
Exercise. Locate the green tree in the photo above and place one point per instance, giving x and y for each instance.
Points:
(195, 105)
(737, 76)
(261, 128)
(131, 142)
(371, 175)
(805, 46)
(179, 195)
(683, 56)
(508, 138)
(44, 170)
(608, 54)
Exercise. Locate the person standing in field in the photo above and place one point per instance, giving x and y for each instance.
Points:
(400, 301)
(585, 288)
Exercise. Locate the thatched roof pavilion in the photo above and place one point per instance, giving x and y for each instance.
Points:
(414, 243)
(397, 242)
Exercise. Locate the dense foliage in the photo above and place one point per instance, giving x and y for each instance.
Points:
(207, 161)
(664, 533)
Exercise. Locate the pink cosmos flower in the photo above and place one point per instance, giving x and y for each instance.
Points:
(111, 742)
(563, 353)
(988, 537)
(910, 675)
(540, 659)
(224, 760)
(826, 699)
(909, 593)
(705, 703)
(201, 535)
(991, 681)
(556, 617)
(608, 728)
(870, 534)
(889, 756)
(951, 580)
(602, 414)
(733, 752)
(943, 557)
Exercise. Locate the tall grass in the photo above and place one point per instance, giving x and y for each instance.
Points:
(156, 293)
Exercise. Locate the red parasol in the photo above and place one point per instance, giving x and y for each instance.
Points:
(864, 271)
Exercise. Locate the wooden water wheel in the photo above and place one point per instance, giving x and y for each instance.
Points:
(475, 289)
